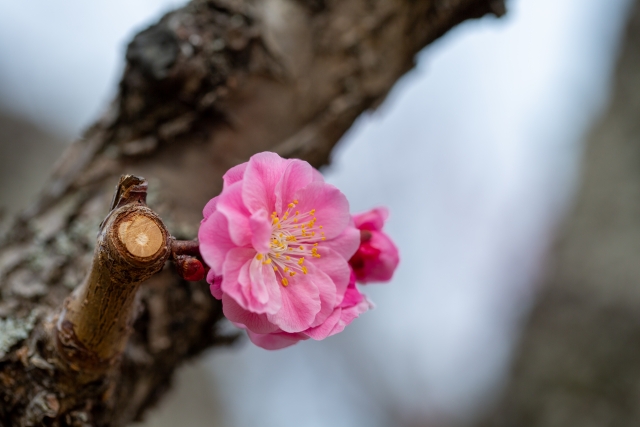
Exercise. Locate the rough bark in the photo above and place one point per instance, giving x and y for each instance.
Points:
(206, 87)
(579, 360)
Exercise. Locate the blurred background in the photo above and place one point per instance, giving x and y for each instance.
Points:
(476, 152)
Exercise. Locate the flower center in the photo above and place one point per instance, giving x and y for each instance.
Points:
(294, 237)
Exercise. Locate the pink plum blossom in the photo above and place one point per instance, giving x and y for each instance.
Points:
(353, 304)
(278, 240)
(377, 257)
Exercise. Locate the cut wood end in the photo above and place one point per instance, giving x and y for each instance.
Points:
(141, 236)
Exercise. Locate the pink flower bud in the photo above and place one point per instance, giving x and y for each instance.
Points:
(190, 268)
(377, 257)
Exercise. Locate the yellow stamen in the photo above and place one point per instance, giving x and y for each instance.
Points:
(268, 261)
(313, 212)
(290, 205)
(259, 256)
(295, 201)
(304, 269)
(300, 261)
(285, 282)
(292, 273)
(302, 248)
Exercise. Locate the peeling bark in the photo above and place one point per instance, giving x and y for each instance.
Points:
(204, 88)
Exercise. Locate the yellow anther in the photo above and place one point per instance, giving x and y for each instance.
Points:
(300, 261)
(286, 269)
(287, 257)
(276, 220)
(279, 226)
(295, 219)
(302, 248)
(320, 226)
(324, 238)
(297, 212)
(315, 244)
(312, 212)
(291, 205)
(304, 269)
(295, 201)
(275, 268)
(292, 273)
(278, 255)
(259, 256)
(267, 261)
(285, 282)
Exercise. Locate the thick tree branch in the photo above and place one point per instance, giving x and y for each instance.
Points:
(206, 87)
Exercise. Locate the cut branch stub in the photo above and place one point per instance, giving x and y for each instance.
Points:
(133, 244)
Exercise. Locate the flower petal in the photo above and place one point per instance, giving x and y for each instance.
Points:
(215, 242)
(234, 174)
(230, 204)
(300, 304)
(215, 282)
(265, 294)
(254, 322)
(297, 175)
(235, 274)
(346, 243)
(371, 220)
(260, 231)
(382, 268)
(336, 268)
(263, 172)
(323, 330)
(275, 341)
(210, 207)
(349, 314)
(326, 291)
(331, 207)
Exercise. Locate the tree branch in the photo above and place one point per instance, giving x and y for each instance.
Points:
(133, 245)
(206, 87)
